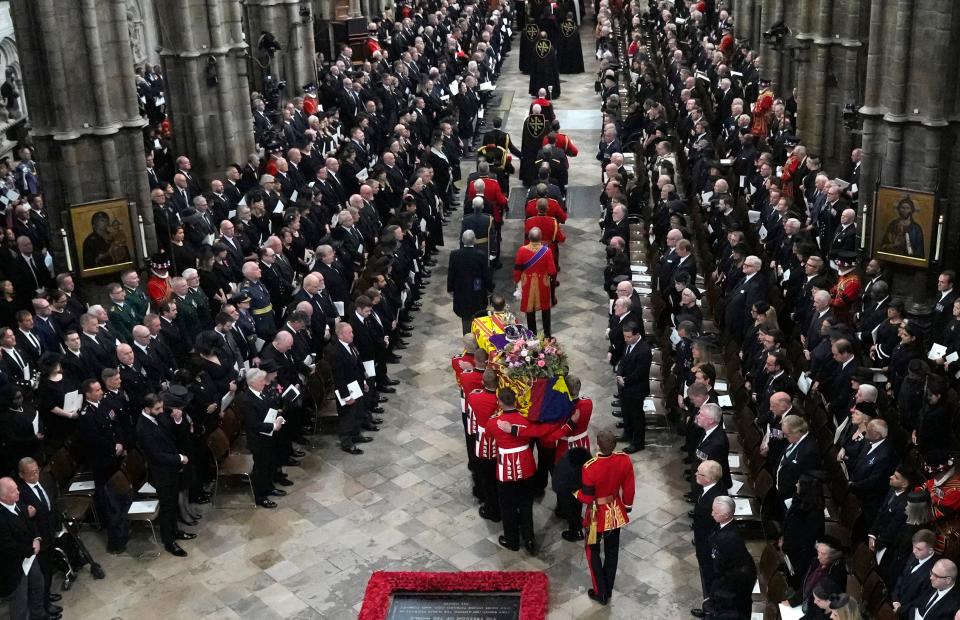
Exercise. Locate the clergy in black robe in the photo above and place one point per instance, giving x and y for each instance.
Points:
(569, 52)
(534, 130)
(544, 72)
(528, 39)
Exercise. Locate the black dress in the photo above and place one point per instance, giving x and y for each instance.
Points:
(50, 394)
(801, 530)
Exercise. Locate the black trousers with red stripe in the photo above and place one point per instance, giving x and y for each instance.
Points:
(603, 570)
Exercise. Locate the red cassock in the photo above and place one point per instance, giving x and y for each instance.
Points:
(491, 193)
(554, 209)
(550, 231)
(608, 489)
(535, 269)
(514, 453)
(480, 410)
(158, 289)
(575, 433)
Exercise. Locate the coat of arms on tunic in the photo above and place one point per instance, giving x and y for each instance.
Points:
(543, 47)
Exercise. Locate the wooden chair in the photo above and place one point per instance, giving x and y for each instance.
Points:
(874, 591)
(231, 425)
(863, 562)
(228, 463)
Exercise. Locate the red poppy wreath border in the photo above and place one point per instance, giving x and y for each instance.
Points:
(532, 585)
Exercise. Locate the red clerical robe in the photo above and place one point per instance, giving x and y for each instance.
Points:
(535, 269)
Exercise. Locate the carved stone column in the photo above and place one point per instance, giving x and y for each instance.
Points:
(88, 139)
(203, 54)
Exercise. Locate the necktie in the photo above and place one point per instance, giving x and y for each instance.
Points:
(16, 510)
(33, 341)
(33, 271)
(19, 360)
(930, 603)
(629, 348)
(41, 495)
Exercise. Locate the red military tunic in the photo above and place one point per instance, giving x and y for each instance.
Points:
(845, 295)
(480, 399)
(515, 460)
(565, 144)
(575, 434)
(535, 269)
(158, 289)
(493, 194)
(471, 380)
(944, 497)
(554, 209)
(458, 370)
(608, 489)
(787, 176)
(550, 231)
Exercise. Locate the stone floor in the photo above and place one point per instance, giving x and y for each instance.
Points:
(406, 503)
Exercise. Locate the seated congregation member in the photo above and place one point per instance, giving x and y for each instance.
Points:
(828, 564)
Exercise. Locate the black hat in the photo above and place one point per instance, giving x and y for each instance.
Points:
(867, 409)
(764, 81)
(240, 298)
(847, 257)
(936, 458)
(790, 141)
(269, 366)
(918, 366)
(740, 248)
(918, 497)
(160, 260)
(863, 376)
(176, 396)
(831, 542)
(913, 328)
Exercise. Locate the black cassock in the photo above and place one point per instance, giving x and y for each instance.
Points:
(528, 38)
(544, 72)
(569, 52)
(534, 129)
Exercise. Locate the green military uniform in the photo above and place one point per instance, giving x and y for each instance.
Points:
(188, 319)
(202, 304)
(137, 300)
(123, 318)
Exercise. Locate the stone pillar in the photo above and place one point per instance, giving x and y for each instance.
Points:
(294, 63)
(89, 137)
(203, 55)
(803, 39)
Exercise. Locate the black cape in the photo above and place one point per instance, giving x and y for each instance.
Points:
(569, 52)
(544, 72)
(534, 129)
(528, 36)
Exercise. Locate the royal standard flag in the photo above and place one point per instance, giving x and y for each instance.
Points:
(550, 400)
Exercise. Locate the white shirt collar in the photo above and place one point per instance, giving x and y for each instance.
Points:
(873, 446)
(11, 507)
(707, 488)
(149, 417)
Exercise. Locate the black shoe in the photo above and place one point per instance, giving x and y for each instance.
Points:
(96, 571)
(391, 382)
(292, 463)
(284, 482)
(698, 613)
(690, 513)
(486, 514)
(371, 428)
(400, 346)
(181, 535)
(55, 597)
(571, 535)
(266, 503)
(617, 414)
(278, 493)
(393, 359)
(54, 616)
(531, 547)
(54, 610)
(506, 544)
(351, 449)
(117, 550)
(203, 498)
(404, 333)
(377, 409)
(386, 389)
(176, 550)
(595, 597)
(382, 399)
(634, 448)
(363, 439)
(376, 421)
(190, 522)
(615, 403)
(689, 498)
(298, 454)
(621, 425)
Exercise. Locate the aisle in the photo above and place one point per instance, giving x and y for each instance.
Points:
(406, 502)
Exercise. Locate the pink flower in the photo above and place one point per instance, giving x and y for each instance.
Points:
(541, 363)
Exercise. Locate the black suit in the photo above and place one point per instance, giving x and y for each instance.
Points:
(733, 567)
(347, 367)
(260, 440)
(739, 301)
(469, 280)
(703, 527)
(46, 522)
(869, 476)
(99, 354)
(713, 447)
(163, 471)
(913, 585)
(943, 609)
(797, 459)
(17, 534)
(634, 367)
